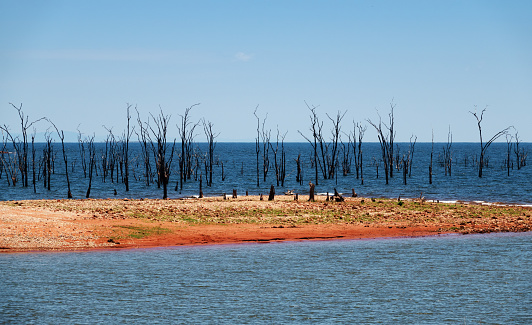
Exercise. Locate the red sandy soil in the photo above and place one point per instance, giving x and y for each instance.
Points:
(115, 224)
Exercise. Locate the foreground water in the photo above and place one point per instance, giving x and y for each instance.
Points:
(432, 280)
(240, 173)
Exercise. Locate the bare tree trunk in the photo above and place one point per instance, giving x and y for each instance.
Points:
(21, 148)
(163, 160)
(186, 133)
(207, 127)
(299, 177)
(127, 137)
(431, 155)
(33, 162)
(257, 144)
(143, 138)
(334, 142)
(315, 128)
(61, 136)
(271, 197)
(411, 155)
(92, 163)
(200, 187)
(311, 192)
(485, 146)
(385, 150)
(81, 148)
(509, 145)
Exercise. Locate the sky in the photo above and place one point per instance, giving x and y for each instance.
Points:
(79, 63)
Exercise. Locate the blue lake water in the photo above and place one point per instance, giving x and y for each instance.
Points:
(239, 160)
(432, 280)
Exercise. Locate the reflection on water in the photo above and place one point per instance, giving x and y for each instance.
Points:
(431, 280)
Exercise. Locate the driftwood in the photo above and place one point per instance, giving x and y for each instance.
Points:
(337, 197)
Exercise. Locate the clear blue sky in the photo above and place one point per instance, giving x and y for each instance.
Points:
(80, 62)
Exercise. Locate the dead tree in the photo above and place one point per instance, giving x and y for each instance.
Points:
(315, 129)
(299, 174)
(186, 133)
(405, 164)
(61, 136)
(108, 156)
(265, 136)
(509, 145)
(431, 157)
(448, 154)
(335, 132)
(21, 147)
(82, 154)
(200, 187)
(92, 162)
(385, 148)
(358, 154)
(209, 162)
(3, 152)
(346, 157)
(280, 164)
(520, 153)
(33, 179)
(391, 133)
(48, 153)
(484, 146)
(163, 159)
(125, 156)
(411, 154)
(257, 144)
(145, 143)
(9, 163)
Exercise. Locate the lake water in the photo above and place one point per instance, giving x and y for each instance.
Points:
(239, 161)
(451, 279)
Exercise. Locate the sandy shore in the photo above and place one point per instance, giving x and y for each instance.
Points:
(50, 225)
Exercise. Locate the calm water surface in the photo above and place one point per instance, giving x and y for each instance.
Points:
(450, 279)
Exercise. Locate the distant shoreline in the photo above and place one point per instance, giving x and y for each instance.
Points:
(72, 225)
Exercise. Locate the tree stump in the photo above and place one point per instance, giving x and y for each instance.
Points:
(311, 191)
(272, 194)
(234, 194)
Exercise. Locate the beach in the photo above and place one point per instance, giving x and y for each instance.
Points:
(95, 224)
